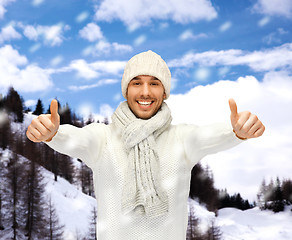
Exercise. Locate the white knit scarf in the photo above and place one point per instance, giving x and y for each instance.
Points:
(142, 190)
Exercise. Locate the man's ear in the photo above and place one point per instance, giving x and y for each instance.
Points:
(164, 96)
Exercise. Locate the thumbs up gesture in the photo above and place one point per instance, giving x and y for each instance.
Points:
(45, 126)
(245, 124)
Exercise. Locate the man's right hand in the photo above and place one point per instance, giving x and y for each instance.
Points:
(45, 126)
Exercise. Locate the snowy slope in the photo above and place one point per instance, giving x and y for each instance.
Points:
(254, 224)
(72, 206)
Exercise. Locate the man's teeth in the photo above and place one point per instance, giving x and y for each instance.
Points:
(144, 103)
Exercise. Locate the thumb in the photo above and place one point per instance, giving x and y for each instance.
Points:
(54, 111)
(233, 108)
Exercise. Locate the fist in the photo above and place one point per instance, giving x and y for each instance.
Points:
(245, 124)
(45, 126)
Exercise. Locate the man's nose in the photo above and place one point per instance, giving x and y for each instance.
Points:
(145, 89)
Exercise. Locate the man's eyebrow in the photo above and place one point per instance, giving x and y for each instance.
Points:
(138, 78)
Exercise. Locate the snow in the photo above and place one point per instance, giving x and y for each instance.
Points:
(254, 224)
(205, 217)
(72, 206)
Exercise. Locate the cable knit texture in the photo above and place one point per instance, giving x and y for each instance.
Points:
(147, 63)
(179, 148)
(142, 189)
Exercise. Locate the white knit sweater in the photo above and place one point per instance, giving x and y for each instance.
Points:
(180, 148)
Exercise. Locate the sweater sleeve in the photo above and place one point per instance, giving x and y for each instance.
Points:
(200, 141)
(84, 143)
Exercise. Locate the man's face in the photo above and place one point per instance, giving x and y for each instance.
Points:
(145, 95)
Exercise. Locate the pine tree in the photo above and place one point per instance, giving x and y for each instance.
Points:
(202, 187)
(65, 167)
(86, 179)
(36, 221)
(278, 205)
(65, 115)
(287, 190)
(213, 233)
(193, 232)
(39, 109)
(14, 104)
(5, 130)
(14, 205)
(105, 121)
(262, 195)
(90, 119)
(56, 230)
(92, 225)
(2, 196)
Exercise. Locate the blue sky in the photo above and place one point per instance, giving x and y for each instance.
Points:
(76, 50)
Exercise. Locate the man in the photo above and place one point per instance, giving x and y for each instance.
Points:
(141, 163)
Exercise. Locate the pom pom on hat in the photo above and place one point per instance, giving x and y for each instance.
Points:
(146, 63)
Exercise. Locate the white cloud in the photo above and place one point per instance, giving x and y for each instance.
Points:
(188, 35)
(225, 26)
(9, 33)
(202, 74)
(95, 85)
(242, 168)
(163, 25)
(30, 103)
(117, 97)
(104, 47)
(279, 83)
(223, 71)
(35, 47)
(91, 32)
(140, 40)
(37, 2)
(86, 109)
(272, 7)
(82, 17)
(3, 4)
(121, 47)
(274, 37)
(95, 69)
(265, 60)
(57, 60)
(15, 71)
(51, 35)
(140, 13)
(84, 70)
(264, 21)
(174, 82)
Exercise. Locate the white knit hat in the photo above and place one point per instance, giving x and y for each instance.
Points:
(147, 63)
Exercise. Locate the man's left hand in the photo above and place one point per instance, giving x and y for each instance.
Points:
(245, 124)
